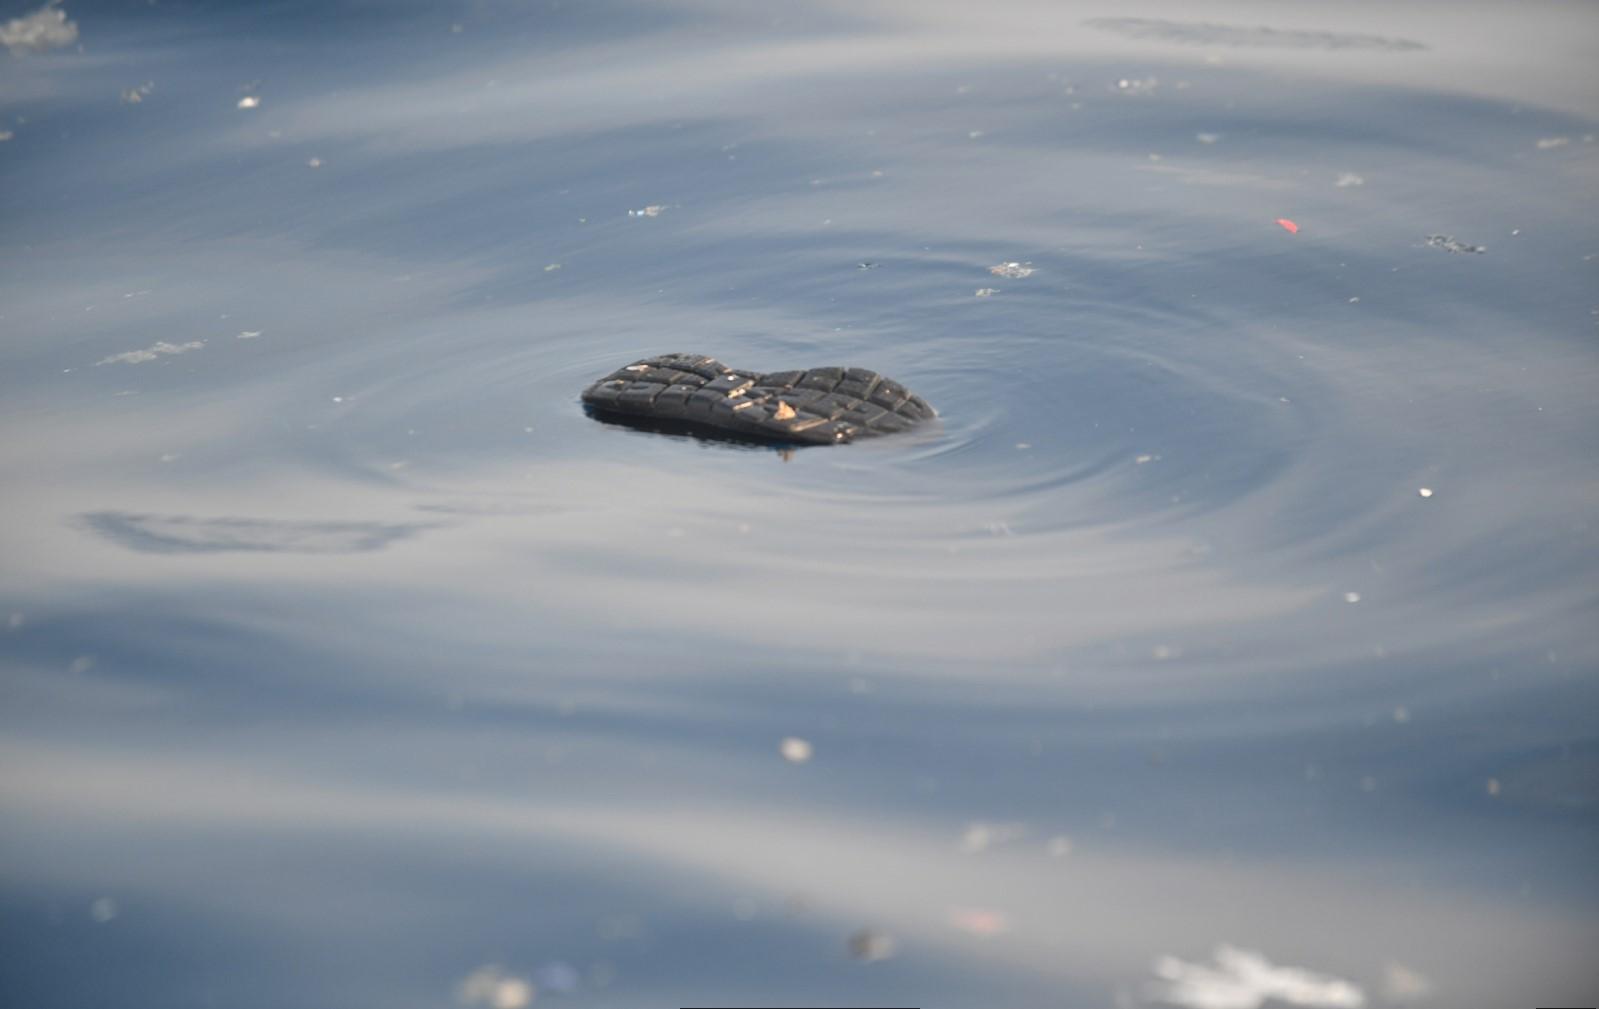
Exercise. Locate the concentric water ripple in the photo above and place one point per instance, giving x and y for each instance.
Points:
(1225, 637)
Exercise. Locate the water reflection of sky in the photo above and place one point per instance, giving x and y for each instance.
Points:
(346, 662)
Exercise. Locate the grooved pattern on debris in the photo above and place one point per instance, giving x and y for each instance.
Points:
(816, 406)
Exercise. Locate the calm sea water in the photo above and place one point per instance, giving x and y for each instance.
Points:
(1237, 615)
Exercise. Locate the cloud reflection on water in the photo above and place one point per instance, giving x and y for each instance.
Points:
(179, 534)
(1202, 34)
(1094, 914)
(1108, 602)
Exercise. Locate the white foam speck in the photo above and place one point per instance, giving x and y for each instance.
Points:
(158, 349)
(1012, 271)
(795, 750)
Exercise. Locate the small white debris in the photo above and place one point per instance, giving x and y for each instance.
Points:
(795, 750)
(1207, 138)
(490, 986)
(1347, 179)
(1449, 244)
(249, 102)
(135, 95)
(6, 135)
(1549, 143)
(248, 334)
(1143, 459)
(1492, 786)
(653, 210)
(158, 349)
(313, 163)
(1012, 271)
(103, 910)
(973, 134)
(338, 399)
(987, 292)
(1355, 300)
(1137, 85)
(1351, 597)
(552, 267)
(1424, 491)
(1161, 653)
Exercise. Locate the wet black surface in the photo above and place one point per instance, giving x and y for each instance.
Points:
(808, 406)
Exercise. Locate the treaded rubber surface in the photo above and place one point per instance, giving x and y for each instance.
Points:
(820, 406)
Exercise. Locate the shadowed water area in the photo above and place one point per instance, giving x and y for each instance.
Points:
(1229, 618)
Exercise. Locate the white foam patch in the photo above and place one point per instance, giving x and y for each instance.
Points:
(45, 29)
(1245, 979)
(159, 349)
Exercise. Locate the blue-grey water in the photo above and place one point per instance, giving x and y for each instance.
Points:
(1235, 621)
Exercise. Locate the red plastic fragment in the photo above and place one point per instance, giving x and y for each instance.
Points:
(1288, 226)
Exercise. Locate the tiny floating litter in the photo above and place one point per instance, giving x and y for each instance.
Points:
(1450, 244)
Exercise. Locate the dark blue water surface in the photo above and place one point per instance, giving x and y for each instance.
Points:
(1229, 642)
